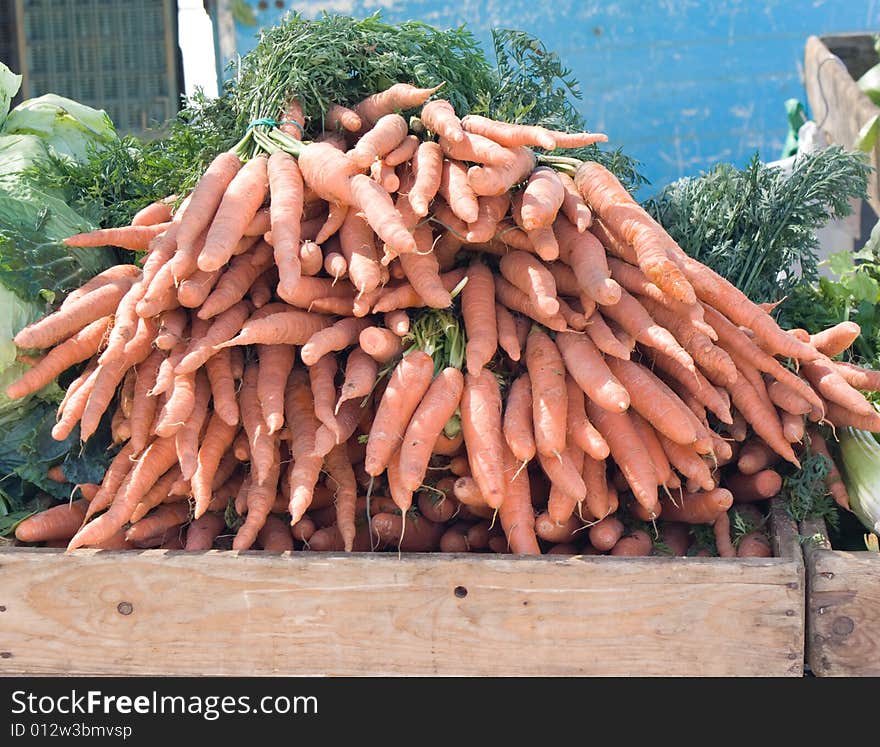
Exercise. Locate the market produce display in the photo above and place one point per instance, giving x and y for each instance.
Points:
(362, 330)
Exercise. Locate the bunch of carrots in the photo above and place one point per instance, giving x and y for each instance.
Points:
(269, 375)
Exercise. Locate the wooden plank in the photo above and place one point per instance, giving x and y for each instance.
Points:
(838, 105)
(843, 608)
(221, 613)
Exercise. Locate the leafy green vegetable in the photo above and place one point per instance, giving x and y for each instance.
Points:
(804, 491)
(853, 296)
(66, 127)
(9, 85)
(36, 268)
(756, 226)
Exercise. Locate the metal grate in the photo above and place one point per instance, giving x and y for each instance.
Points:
(119, 55)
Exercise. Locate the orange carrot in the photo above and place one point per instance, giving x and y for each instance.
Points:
(134, 238)
(399, 97)
(477, 149)
(419, 534)
(762, 417)
(275, 535)
(568, 489)
(344, 487)
(322, 377)
(439, 117)
(403, 152)
(330, 339)
(164, 519)
(587, 367)
(358, 246)
(222, 329)
(276, 362)
(340, 117)
(159, 211)
(586, 256)
(792, 427)
(360, 377)
(455, 189)
(379, 210)
(157, 459)
(380, 344)
(632, 316)
(828, 382)
(573, 206)
(481, 424)
(516, 300)
(202, 532)
(577, 139)
(437, 406)
(694, 383)
(260, 498)
(863, 379)
(286, 328)
(541, 199)
(603, 338)
(636, 544)
(526, 272)
(386, 134)
(834, 340)
(158, 494)
(207, 196)
(478, 312)
(507, 134)
(633, 280)
(663, 412)
(605, 534)
(754, 487)
(516, 513)
(428, 171)
(95, 305)
(397, 321)
(423, 271)
(81, 346)
(550, 531)
(406, 387)
(625, 218)
(497, 179)
(549, 395)
(218, 437)
(599, 502)
(755, 456)
(286, 187)
(490, 212)
(715, 291)
(56, 523)
(628, 452)
(506, 332)
(697, 508)
(239, 205)
(517, 425)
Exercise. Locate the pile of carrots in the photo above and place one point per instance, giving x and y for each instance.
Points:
(422, 335)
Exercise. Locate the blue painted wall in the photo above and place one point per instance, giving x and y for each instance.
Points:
(680, 84)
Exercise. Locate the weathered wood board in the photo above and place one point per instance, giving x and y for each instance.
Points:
(222, 613)
(839, 107)
(843, 608)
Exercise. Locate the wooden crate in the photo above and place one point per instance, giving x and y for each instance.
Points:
(843, 608)
(224, 613)
(840, 109)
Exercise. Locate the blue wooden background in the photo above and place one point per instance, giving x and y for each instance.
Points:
(679, 84)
